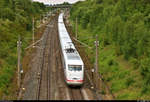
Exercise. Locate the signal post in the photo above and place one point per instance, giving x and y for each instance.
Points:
(19, 60)
(96, 63)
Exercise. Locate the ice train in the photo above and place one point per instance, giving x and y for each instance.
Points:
(73, 65)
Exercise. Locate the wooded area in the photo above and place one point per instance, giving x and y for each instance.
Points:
(15, 19)
(123, 27)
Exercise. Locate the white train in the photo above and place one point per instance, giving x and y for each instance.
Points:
(72, 62)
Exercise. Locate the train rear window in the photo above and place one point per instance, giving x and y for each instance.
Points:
(75, 67)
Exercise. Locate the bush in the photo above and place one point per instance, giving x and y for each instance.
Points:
(129, 81)
(145, 70)
(118, 85)
(103, 92)
(123, 73)
(135, 63)
(145, 89)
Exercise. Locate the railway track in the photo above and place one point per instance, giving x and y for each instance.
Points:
(76, 94)
(51, 84)
(43, 90)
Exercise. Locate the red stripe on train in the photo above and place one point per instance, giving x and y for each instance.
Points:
(75, 80)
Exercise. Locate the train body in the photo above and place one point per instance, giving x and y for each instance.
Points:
(73, 65)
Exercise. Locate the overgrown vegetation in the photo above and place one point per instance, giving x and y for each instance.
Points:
(124, 35)
(15, 19)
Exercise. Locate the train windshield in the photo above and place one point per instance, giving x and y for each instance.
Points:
(75, 67)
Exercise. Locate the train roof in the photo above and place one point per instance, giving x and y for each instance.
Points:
(70, 53)
(73, 56)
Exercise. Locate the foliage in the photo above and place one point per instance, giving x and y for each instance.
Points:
(123, 24)
(15, 19)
